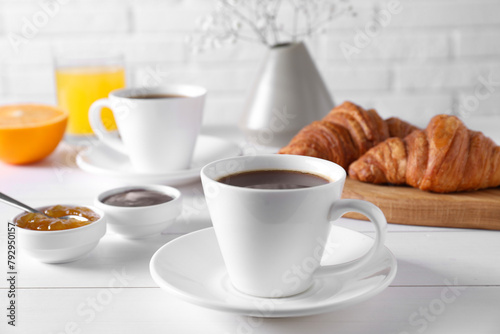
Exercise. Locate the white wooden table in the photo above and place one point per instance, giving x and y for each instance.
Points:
(448, 280)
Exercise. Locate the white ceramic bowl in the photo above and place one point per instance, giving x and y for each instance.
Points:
(141, 221)
(63, 245)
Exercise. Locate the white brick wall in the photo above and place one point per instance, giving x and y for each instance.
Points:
(395, 45)
(444, 75)
(447, 13)
(168, 15)
(433, 56)
(478, 42)
(51, 17)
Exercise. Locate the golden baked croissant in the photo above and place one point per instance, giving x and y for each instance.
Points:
(445, 157)
(399, 128)
(365, 126)
(342, 136)
(325, 140)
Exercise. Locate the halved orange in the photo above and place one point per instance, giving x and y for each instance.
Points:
(30, 132)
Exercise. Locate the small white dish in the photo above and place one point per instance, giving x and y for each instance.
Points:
(63, 245)
(102, 160)
(141, 221)
(191, 267)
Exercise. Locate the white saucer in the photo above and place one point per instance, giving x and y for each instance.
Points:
(191, 267)
(102, 160)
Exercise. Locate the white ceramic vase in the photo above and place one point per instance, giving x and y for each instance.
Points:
(288, 94)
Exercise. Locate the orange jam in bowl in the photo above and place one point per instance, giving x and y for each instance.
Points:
(36, 221)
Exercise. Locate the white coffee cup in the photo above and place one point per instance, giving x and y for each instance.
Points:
(272, 240)
(158, 134)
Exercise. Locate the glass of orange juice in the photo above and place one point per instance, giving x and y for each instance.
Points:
(80, 82)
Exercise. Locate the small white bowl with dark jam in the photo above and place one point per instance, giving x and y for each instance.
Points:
(140, 211)
(53, 240)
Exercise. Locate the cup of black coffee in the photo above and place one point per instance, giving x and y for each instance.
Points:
(272, 214)
(158, 127)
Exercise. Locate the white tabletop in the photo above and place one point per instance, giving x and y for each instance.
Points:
(448, 280)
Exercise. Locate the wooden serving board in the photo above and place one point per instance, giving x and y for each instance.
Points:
(405, 205)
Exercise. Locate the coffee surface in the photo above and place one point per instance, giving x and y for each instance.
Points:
(157, 96)
(137, 197)
(274, 179)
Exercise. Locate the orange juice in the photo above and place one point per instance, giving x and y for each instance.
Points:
(79, 87)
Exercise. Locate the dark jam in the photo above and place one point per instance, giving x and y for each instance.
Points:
(137, 197)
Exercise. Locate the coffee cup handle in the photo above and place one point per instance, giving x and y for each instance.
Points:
(100, 130)
(375, 215)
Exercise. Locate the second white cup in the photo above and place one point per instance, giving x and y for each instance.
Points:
(158, 127)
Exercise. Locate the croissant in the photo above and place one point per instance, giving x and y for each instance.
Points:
(366, 127)
(325, 140)
(445, 157)
(399, 128)
(343, 135)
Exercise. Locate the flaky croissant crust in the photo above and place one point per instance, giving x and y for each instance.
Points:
(445, 157)
(342, 136)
